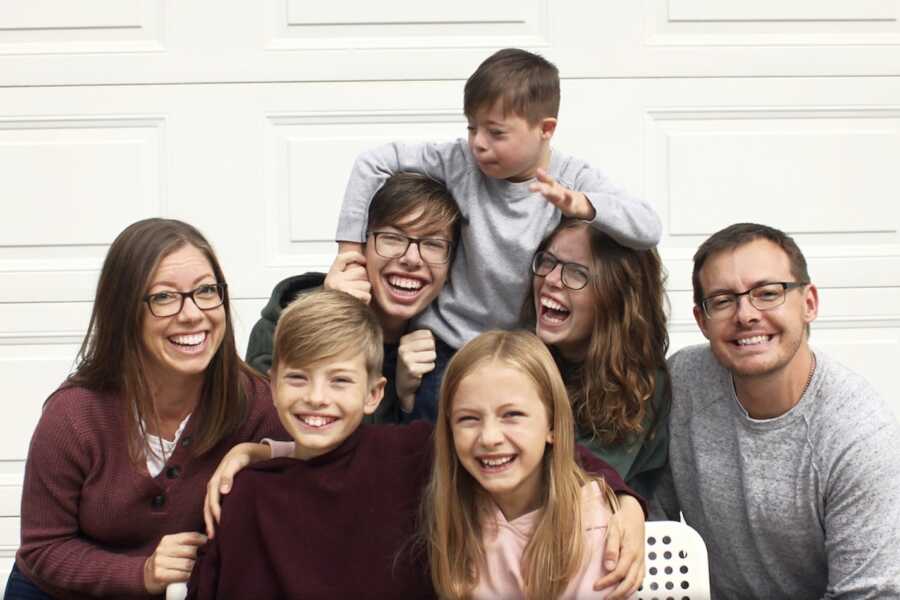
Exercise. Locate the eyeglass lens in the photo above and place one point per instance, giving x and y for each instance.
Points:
(205, 297)
(573, 275)
(394, 245)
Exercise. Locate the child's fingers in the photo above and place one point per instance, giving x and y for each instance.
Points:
(342, 261)
(544, 177)
(629, 584)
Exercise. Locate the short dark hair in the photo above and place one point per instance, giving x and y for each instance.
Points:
(526, 84)
(404, 194)
(739, 234)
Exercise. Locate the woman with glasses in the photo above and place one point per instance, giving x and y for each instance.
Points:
(413, 225)
(600, 307)
(118, 464)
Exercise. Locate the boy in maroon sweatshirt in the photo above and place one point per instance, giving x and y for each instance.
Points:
(338, 519)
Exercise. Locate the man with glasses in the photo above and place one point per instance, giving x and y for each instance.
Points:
(784, 460)
(410, 239)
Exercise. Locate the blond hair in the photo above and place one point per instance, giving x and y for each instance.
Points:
(323, 324)
(455, 505)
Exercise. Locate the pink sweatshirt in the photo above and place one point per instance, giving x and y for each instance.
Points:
(505, 544)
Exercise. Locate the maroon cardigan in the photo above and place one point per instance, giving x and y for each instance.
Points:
(341, 525)
(90, 518)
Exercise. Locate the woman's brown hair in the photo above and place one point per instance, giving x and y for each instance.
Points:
(612, 390)
(111, 358)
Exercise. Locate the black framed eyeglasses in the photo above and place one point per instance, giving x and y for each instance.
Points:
(390, 244)
(762, 297)
(205, 297)
(574, 276)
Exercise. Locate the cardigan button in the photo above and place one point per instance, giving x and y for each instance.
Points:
(173, 472)
(186, 441)
(158, 501)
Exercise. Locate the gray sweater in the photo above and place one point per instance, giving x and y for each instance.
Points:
(805, 505)
(502, 225)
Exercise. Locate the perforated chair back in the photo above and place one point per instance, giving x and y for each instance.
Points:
(677, 567)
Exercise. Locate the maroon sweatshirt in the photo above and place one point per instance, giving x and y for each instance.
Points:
(90, 518)
(341, 525)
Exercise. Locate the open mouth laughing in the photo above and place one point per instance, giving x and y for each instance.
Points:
(405, 288)
(553, 311)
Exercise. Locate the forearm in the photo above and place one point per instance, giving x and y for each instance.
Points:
(373, 167)
(78, 565)
(629, 220)
(597, 466)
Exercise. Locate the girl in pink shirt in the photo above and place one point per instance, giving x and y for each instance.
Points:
(508, 512)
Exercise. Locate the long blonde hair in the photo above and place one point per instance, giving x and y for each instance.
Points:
(455, 506)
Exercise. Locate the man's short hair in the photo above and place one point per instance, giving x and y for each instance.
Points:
(417, 201)
(324, 324)
(739, 234)
(526, 84)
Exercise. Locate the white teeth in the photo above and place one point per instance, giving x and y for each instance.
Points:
(496, 462)
(316, 421)
(552, 304)
(405, 283)
(188, 340)
(757, 339)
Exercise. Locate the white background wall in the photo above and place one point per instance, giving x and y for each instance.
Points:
(243, 118)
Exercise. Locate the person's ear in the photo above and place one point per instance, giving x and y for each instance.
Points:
(700, 317)
(810, 304)
(548, 127)
(374, 395)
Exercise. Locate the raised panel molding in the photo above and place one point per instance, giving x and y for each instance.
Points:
(63, 27)
(772, 23)
(78, 181)
(834, 168)
(300, 25)
(310, 158)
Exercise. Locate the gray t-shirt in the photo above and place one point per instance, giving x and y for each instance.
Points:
(502, 225)
(805, 505)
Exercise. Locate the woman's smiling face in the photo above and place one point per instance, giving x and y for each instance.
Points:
(182, 345)
(565, 317)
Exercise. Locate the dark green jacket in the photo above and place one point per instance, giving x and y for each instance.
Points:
(259, 348)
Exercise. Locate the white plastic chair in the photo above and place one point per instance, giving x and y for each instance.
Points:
(677, 566)
(176, 591)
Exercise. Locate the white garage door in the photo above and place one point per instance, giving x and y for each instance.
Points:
(243, 118)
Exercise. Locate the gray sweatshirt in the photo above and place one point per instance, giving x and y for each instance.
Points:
(805, 505)
(502, 225)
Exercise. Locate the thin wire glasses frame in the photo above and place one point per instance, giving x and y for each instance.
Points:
(433, 250)
(573, 276)
(169, 303)
(763, 297)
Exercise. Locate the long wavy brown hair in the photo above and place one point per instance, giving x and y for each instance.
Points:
(112, 358)
(455, 507)
(612, 390)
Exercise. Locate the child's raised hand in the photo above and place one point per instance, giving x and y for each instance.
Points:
(570, 203)
(348, 274)
(416, 356)
(623, 556)
(220, 483)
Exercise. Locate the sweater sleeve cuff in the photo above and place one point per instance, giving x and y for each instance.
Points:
(279, 449)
